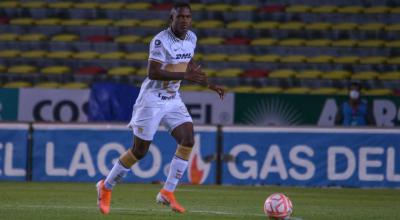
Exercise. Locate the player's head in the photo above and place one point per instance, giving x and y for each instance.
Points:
(354, 90)
(181, 18)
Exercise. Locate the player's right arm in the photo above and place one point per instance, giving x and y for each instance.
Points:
(217, 88)
(157, 73)
(158, 56)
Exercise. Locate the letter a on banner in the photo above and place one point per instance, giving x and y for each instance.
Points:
(82, 151)
(274, 153)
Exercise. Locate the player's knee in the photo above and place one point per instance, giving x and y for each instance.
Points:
(139, 152)
(187, 142)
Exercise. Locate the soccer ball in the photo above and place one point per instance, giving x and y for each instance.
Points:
(278, 206)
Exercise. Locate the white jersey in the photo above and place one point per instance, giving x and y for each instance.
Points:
(159, 101)
(174, 54)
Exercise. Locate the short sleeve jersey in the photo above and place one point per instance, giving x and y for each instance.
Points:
(167, 49)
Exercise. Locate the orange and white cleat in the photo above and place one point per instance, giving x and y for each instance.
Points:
(103, 198)
(168, 198)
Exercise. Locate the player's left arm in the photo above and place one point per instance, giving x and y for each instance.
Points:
(217, 88)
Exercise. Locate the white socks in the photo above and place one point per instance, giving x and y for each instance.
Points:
(176, 171)
(116, 174)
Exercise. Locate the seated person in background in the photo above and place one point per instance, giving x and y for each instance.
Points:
(355, 111)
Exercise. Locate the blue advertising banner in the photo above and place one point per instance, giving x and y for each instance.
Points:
(111, 101)
(87, 153)
(13, 151)
(312, 156)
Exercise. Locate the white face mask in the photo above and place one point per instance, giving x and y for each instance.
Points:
(354, 94)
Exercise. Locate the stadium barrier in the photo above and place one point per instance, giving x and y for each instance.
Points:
(296, 156)
(109, 102)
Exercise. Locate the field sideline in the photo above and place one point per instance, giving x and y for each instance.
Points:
(137, 201)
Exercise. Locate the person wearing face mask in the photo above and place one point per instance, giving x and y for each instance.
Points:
(355, 111)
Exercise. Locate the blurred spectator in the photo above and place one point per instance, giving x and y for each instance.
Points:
(355, 111)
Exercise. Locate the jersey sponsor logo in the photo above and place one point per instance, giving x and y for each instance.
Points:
(183, 56)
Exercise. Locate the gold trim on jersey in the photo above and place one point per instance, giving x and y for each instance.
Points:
(155, 60)
(179, 67)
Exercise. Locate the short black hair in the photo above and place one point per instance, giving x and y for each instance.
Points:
(179, 5)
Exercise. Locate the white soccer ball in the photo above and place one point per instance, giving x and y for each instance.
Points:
(278, 206)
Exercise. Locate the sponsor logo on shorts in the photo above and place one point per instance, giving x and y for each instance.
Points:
(162, 97)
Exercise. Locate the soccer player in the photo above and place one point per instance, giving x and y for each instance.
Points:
(170, 62)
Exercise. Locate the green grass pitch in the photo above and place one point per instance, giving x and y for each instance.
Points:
(137, 201)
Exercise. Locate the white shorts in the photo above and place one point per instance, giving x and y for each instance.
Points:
(147, 117)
